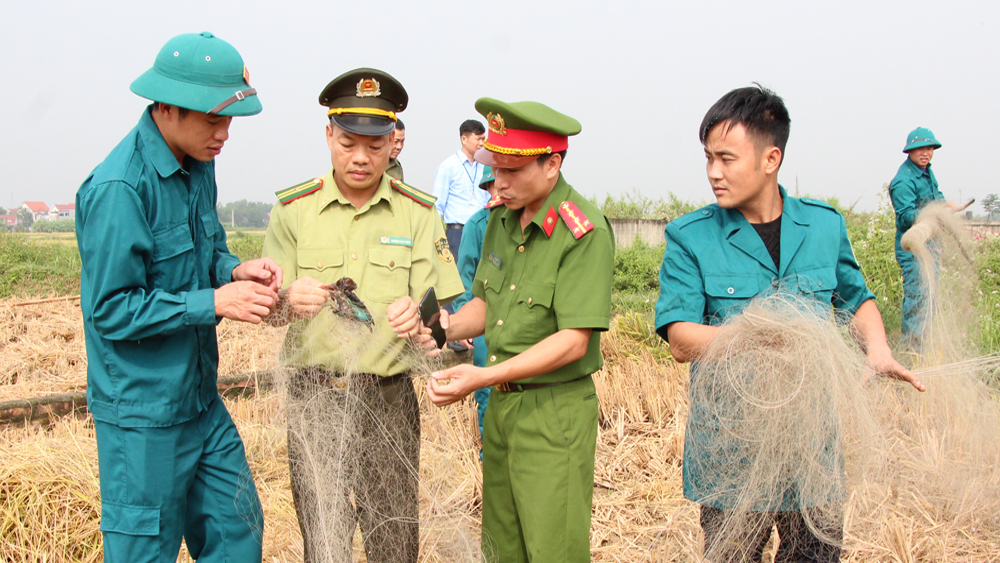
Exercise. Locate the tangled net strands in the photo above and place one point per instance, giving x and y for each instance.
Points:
(350, 447)
(804, 420)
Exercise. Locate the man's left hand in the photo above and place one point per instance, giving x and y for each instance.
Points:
(451, 385)
(882, 363)
(264, 271)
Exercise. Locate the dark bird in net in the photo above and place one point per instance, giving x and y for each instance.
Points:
(344, 302)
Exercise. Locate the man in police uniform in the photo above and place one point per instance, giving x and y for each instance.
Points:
(157, 275)
(543, 296)
(357, 222)
(913, 187)
(754, 241)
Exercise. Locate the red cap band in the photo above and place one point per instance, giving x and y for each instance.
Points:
(526, 143)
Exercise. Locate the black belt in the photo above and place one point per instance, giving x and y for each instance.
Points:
(455, 226)
(509, 387)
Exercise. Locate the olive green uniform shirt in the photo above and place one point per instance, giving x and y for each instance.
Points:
(392, 246)
(535, 285)
(395, 169)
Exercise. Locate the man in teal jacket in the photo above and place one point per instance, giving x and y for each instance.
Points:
(913, 187)
(469, 253)
(157, 276)
(754, 241)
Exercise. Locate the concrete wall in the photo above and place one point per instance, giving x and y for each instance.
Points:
(648, 230)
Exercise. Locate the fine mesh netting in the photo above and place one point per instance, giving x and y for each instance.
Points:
(802, 424)
(355, 451)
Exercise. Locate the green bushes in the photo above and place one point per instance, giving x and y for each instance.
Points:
(244, 246)
(54, 226)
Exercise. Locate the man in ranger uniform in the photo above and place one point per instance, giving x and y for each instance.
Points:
(357, 222)
(157, 276)
(543, 296)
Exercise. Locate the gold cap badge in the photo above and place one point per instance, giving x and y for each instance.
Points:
(496, 123)
(368, 88)
(246, 75)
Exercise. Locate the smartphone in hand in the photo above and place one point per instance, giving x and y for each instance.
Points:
(430, 314)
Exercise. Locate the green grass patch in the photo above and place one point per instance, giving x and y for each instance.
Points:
(30, 268)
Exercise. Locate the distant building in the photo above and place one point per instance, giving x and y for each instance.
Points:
(9, 221)
(62, 211)
(38, 209)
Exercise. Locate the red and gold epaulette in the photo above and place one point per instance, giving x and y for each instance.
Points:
(577, 222)
(293, 193)
(425, 199)
(549, 223)
(493, 202)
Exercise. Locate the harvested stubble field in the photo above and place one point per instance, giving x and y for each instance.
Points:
(49, 494)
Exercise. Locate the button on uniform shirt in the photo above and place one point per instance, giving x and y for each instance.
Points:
(456, 186)
(910, 191)
(714, 264)
(535, 285)
(153, 252)
(392, 247)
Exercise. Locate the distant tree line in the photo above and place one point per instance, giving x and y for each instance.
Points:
(244, 214)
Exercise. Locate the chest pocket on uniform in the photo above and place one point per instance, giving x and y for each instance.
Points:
(389, 277)
(728, 294)
(818, 283)
(322, 264)
(172, 267)
(533, 306)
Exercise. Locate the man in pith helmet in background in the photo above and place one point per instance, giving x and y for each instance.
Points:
(542, 296)
(157, 277)
(913, 187)
(356, 221)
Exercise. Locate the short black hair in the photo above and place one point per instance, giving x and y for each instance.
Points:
(759, 110)
(399, 124)
(541, 160)
(471, 126)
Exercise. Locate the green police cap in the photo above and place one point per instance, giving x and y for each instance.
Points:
(364, 101)
(201, 72)
(522, 131)
(487, 177)
(921, 137)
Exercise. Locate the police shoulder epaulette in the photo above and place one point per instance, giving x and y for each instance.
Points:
(425, 199)
(697, 215)
(577, 222)
(493, 202)
(293, 193)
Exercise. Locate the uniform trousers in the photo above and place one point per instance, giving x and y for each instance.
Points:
(798, 542)
(355, 434)
(915, 296)
(188, 480)
(538, 473)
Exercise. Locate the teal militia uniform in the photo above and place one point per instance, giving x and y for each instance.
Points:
(171, 461)
(539, 444)
(714, 264)
(910, 191)
(470, 252)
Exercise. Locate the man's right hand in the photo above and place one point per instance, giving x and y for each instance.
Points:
(245, 301)
(306, 297)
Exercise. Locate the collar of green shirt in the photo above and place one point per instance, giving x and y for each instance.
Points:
(156, 147)
(742, 235)
(916, 170)
(330, 193)
(559, 194)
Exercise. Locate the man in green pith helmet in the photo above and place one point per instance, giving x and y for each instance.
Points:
(356, 221)
(542, 296)
(913, 187)
(157, 277)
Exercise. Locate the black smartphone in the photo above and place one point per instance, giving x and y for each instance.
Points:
(430, 314)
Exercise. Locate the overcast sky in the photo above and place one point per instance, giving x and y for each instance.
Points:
(856, 76)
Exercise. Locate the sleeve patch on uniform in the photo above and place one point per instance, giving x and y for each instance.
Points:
(425, 199)
(577, 222)
(443, 252)
(293, 193)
